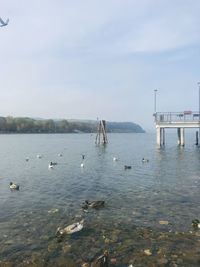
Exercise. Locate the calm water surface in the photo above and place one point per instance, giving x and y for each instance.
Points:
(166, 188)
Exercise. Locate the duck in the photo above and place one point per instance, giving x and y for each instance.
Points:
(102, 261)
(93, 204)
(127, 167)
(59, 155)
(53, 163)
(115, 159)
(145, 160)
(14, 186)
(39, 156)
(27, 159)
(196, 223)
(70, 229)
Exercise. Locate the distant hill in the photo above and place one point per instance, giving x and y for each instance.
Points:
(124, 127)
(29, 125)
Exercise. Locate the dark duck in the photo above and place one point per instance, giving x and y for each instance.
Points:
(93, 204)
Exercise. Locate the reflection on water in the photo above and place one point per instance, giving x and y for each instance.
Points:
(166, 189)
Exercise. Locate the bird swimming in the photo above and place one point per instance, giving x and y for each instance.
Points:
(127, 167)
(53, 163)
(196, 223)
(93, 204)
(70, 229)
(145, 160)
(103, 260)
(14, 186)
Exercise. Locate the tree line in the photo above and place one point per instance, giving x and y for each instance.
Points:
(29, 125)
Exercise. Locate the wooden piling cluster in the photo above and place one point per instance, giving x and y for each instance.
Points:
(101, 137)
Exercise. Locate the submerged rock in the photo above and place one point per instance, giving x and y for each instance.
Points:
(66, 248)
(54, 210)
(147, 252)
(162, 222)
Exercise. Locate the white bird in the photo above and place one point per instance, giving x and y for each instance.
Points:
(145, 160)
(115, 159)
(82, 165)
(14, 186)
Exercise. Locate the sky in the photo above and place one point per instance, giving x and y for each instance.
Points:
(89, 59)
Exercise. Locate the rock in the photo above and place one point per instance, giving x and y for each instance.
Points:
(53, 210)
(44, 237)
(163, 222)
(85, 264)
(179, 261)
(107, 241)
(163, 261)
(66, 248)
(147, 252)
(9, 242)
(52, 247)
(113, 260)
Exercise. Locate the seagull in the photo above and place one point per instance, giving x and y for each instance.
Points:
(82, 165)
(3, 23)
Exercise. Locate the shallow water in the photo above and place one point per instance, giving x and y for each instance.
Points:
(166, 188)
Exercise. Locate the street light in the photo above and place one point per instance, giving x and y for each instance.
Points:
(155, 115)
(155, 93)
(199, 108)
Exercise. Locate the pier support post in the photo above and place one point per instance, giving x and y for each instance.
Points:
(197, 138)
(163, 136)
(179, 136)
(182, 136)
(158, 136)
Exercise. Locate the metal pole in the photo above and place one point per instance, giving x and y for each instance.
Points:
(155, 91)
(155, 115)
(199, 108)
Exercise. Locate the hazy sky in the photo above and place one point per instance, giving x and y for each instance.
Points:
(84, 59)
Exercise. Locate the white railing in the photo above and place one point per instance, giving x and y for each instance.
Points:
(170, 117)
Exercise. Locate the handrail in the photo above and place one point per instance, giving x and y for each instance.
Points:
(183, 116)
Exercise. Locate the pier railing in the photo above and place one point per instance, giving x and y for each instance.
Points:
(170, 117)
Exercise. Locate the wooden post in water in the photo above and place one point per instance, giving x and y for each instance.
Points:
(101, 136)
(197, 138)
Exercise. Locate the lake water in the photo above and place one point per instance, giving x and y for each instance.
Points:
(167, 188)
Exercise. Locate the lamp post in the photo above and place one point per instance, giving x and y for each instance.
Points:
(199, 108)
(155, 94)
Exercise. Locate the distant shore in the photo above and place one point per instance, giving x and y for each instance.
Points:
(24, 125)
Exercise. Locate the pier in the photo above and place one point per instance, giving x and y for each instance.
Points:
(178, 120)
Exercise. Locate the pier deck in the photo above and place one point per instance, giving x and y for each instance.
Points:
(179, 120)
